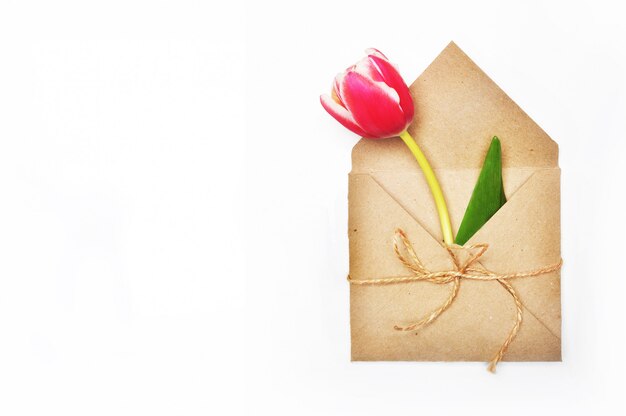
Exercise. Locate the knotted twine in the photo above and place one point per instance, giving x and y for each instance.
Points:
(467, 270)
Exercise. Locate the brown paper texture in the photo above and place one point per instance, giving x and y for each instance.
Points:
(458, 110)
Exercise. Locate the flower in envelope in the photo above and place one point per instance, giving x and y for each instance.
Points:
(470, 298)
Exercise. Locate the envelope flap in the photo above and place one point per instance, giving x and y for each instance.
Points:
(524, 235)
(374, 215)
(517, 233)
(456, 106)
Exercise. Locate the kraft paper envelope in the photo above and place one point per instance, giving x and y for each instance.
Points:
(458, 110)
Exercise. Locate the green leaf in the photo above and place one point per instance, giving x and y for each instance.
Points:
(488, 195)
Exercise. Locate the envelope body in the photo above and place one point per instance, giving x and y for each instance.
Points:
(458, 110)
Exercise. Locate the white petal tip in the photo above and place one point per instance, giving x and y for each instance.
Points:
(375, 52)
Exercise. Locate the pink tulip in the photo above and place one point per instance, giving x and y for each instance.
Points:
(371, 98)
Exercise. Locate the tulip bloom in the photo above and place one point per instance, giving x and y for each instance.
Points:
(372, 100)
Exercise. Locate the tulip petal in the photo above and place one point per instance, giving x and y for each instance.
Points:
(368, 69)
(341, 114)
(336, 84)
(381, 85)
(375, 52)
(374, 106)
(394, 80)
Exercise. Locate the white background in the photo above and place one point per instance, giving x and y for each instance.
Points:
(173, 205)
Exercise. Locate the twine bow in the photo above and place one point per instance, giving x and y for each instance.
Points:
(466, 270)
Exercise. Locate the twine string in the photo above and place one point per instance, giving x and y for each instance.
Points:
(466, 270)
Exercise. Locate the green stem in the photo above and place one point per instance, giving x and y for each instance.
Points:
(435, 189)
